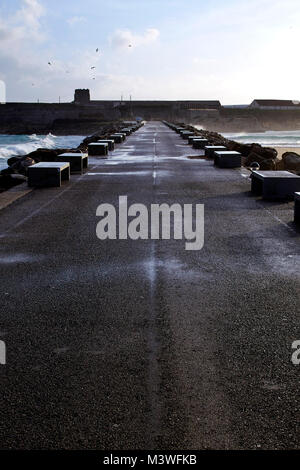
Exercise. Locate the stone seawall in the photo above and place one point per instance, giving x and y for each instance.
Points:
(59, 119)
(71, 118)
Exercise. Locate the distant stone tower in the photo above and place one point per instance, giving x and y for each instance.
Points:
(82, 96)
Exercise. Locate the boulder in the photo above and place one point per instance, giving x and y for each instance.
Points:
(264, 164)
(245, 149)
(265, 152)
(46, 155)
(291, 161)
(21, 165)
(13, 160)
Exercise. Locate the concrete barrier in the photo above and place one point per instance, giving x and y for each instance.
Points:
(97, 149)
(200, 143)
(122, 135)
(126, 131)
(117, 138)
(48, 174)
(211, 149)
(191, 137)
(275, 184)
(185, 134)
(110, 142)
(228, 159)
(78, 161)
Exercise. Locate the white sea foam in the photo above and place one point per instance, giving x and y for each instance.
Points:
(14, 145)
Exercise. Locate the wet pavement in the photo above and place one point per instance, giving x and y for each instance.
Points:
(124, 344)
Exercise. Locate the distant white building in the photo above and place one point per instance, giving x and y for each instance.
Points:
(275, 104)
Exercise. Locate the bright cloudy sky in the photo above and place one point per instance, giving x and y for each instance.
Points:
(232, 50)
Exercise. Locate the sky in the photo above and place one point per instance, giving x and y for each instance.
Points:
(231, 50)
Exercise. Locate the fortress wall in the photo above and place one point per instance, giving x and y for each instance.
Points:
(27, 118)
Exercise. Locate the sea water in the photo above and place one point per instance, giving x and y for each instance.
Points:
(14, 145)
(268, 138)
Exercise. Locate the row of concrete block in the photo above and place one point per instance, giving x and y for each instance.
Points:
(102, 147)
(223, 157)
(53, 173)
(271, 185)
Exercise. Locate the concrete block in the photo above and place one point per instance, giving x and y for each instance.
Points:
(110, 142)
(185, 134)
(117, 138)
(200, 143)
(122, 135)
(228, 159)
(211, 149)
(48, 174)
(126, 131)
(78, 161)
(275, 184)
(191, 137)
(97, 149)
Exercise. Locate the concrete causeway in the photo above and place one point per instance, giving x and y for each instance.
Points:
(124, 344)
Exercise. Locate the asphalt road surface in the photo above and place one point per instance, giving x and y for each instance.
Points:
(141, 344)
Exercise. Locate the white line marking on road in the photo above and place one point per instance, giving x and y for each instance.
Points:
(154, 373)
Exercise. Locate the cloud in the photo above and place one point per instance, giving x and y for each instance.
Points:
(74, 20)
(230, 52)
(5, 33)
(122, 38)
(30, 13)
(22, 28)
(21, 36)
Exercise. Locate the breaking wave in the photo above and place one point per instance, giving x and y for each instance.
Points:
(14, 145)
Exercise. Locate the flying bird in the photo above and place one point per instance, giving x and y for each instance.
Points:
(93, 68)
(97, 50)
(49, 63)
(130, 45)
